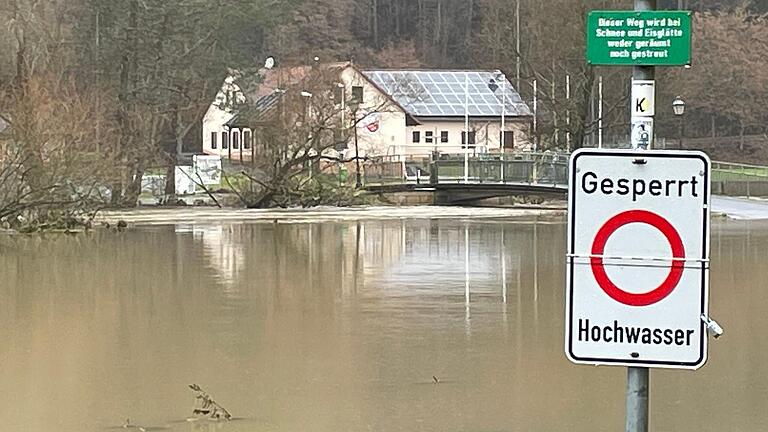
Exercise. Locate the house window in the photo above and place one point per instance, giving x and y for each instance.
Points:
(471, 138)
(444, 136)
(339, 140)
(235, 140)
(507, 139)
(428, 137)
(247, 139)
(224, 140)
(214, 137)
(357, 94)
(338, 94)
(416, 136)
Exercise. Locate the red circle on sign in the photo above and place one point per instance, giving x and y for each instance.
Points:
(675, 272)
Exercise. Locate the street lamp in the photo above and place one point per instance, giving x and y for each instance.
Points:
(678, 106)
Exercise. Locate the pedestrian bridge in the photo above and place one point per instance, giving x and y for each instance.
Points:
(457, 181)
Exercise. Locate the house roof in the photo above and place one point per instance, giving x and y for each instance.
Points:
(265, 95)
(442, 94)
(260, 111)
(421, 94)
(284, 77)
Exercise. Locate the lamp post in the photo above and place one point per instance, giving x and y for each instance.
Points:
(466, 127)
(307, 119)
(678, 106)
(493, 86)
(502, 145)
(308, 109)
(339, 138)
(355, 105)
(342, 91)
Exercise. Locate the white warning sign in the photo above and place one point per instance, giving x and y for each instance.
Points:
(638, 258)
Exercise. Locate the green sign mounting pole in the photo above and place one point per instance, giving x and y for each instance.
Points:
(642, 38)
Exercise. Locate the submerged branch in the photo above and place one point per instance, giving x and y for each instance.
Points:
(208, 407)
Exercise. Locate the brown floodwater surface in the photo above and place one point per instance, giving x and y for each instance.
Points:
(344, 326)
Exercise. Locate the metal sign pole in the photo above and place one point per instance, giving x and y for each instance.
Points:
(637, 399)
(638, 382)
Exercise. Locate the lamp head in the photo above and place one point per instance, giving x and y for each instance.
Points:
(678, 106)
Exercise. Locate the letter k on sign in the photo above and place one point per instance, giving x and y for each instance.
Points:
(641, 105)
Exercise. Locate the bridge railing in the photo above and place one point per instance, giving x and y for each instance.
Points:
(727, 171)
(530, 168)
(518, 168)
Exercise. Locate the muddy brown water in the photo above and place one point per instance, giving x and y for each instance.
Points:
(341, 326)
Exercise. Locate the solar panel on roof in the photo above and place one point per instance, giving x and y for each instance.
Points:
(443, 93)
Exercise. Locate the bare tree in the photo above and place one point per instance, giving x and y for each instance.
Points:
(50, 174)
(296, 157)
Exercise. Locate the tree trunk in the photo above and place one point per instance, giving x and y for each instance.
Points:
(21, 63)
(175, 156)
(133, 190)
(128, 66)
(397, 15)
(439, 22)
(420, 25)
(579, 133)
(470, 30)
(741, 135)
(170, 181)
(375, 23)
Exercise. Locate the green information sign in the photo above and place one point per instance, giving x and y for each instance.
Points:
(629, 38)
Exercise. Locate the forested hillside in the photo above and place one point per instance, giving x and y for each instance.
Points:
(135, 76)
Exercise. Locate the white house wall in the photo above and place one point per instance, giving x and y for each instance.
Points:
(216, 117)
(487, 138)
(389, 139)
(214, 121)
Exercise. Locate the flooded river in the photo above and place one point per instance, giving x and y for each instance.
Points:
(372, 325)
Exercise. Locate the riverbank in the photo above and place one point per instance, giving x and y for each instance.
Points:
(164, 216)
(740, 208)
(733, 208)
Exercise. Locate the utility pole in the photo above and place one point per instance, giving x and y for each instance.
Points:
(98, 81)
(466, 127)
(535, 115)
(517, 45)
(600, 112)
(358, 176)
(553, 101)
(567, 111)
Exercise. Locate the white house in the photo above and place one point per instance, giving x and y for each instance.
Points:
(403, 112)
